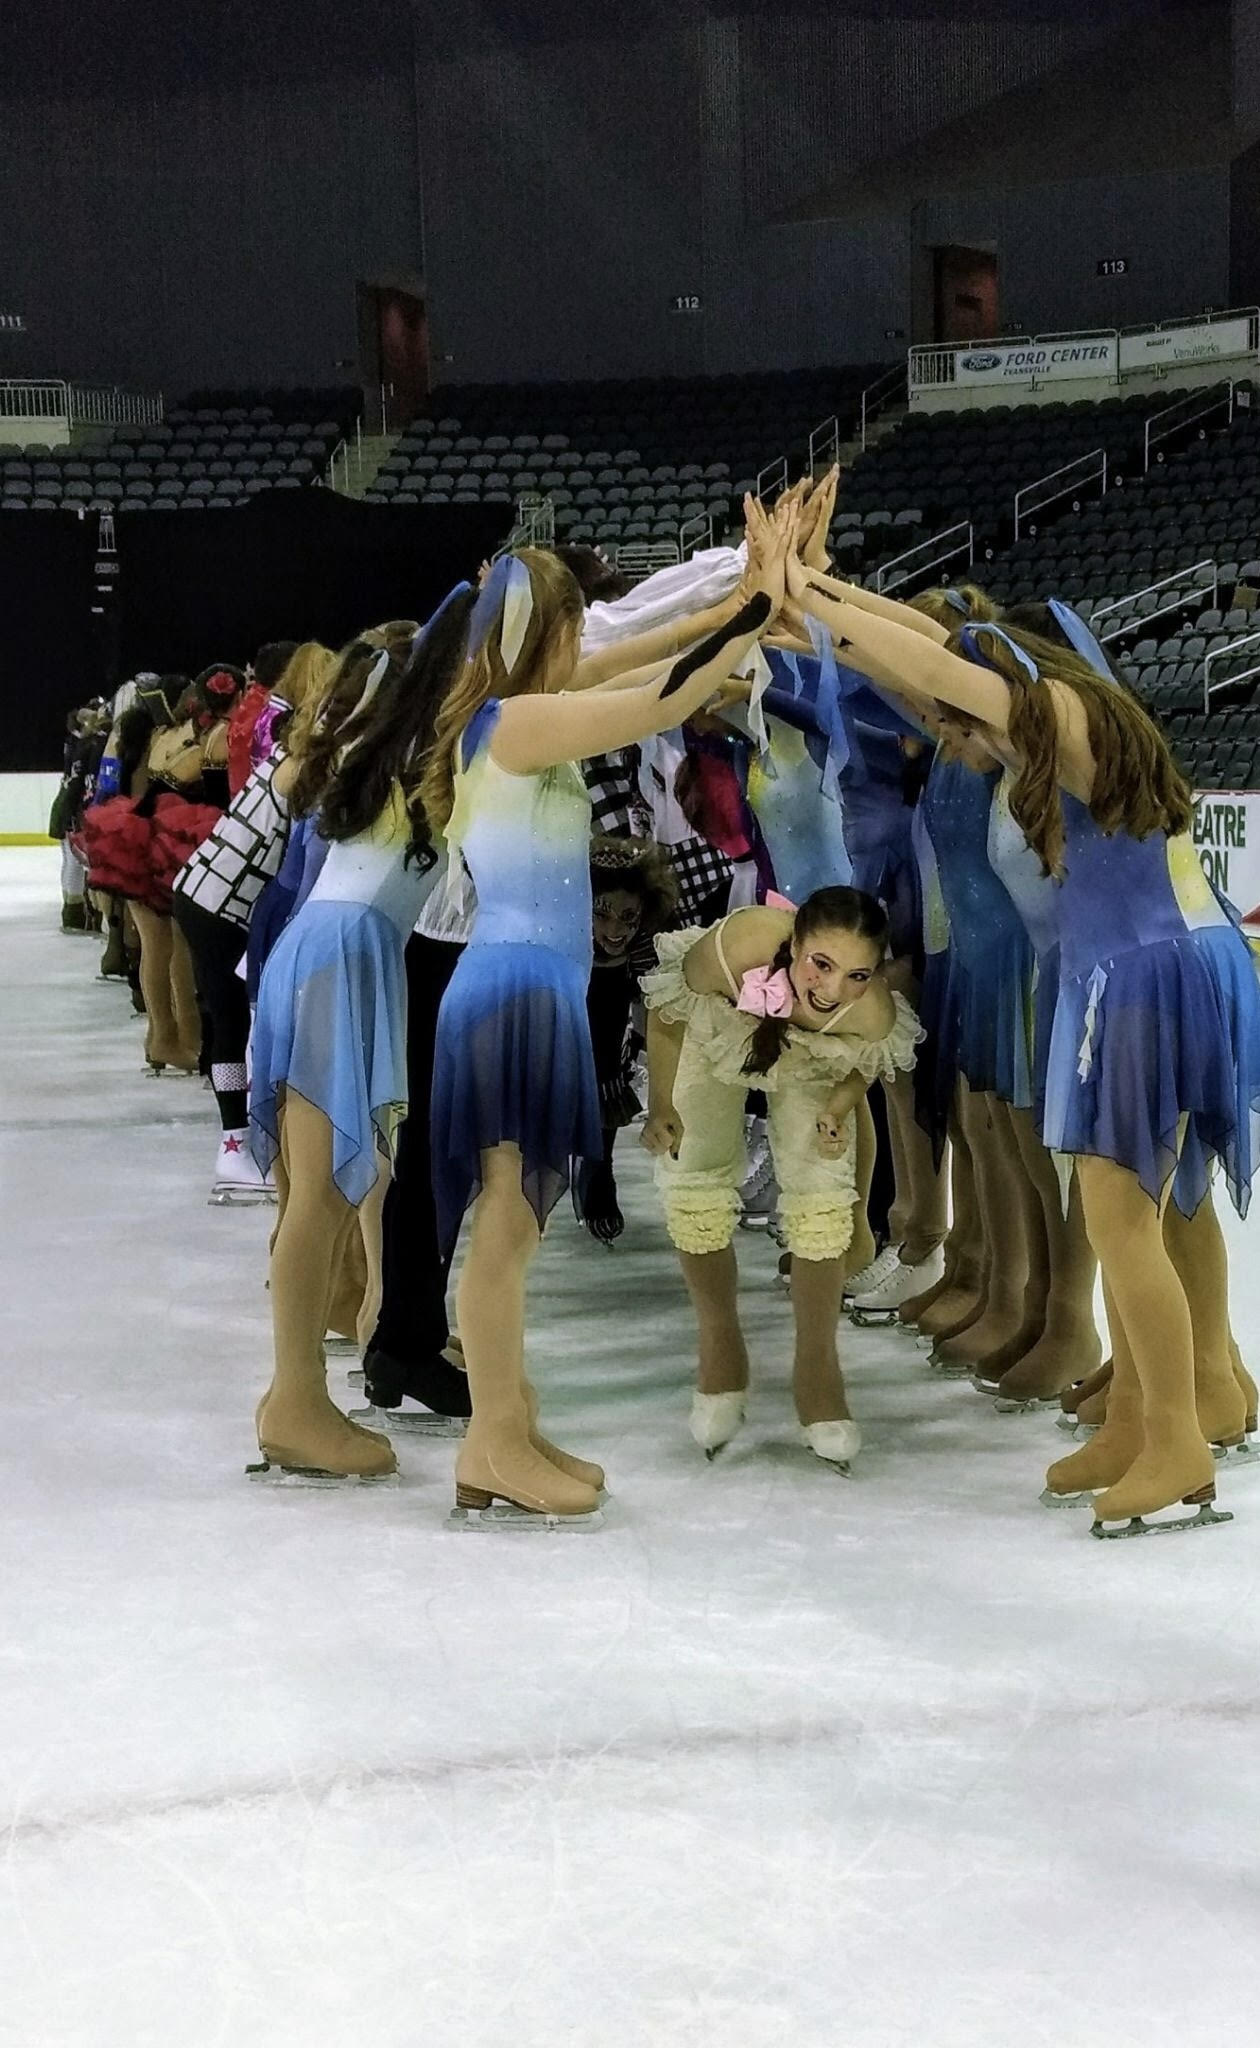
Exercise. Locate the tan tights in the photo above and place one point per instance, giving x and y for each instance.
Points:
(297, 1421)
(502, 1454)
(817, 1292)
(173, 1034)
(1150, 1451)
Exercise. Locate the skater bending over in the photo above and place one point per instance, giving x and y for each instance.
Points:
(796, 1004)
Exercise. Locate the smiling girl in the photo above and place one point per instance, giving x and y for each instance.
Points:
(794, 1003)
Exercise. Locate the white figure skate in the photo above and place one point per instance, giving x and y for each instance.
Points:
(715, 1419)
(874, 1275)
(238, 1182)
(880, 1302)
(836, 1443)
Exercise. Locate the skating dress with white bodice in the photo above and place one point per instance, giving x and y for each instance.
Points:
(331, 1022)
(513, 1063)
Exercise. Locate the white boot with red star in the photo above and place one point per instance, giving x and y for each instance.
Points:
(238, 1183)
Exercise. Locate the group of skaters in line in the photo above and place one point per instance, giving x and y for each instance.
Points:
(424, 909)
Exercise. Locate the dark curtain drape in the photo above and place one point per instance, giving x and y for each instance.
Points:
(51, 656)
(197, 587)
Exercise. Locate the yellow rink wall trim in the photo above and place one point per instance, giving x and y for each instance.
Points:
(26, 839)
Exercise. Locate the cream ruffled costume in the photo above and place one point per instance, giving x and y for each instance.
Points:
(701, 1187)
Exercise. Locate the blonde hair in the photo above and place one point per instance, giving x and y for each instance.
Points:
(557, 608)
(1138, 787)
(306, 675)
(939, 605)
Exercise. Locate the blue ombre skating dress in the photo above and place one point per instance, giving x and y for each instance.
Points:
(990, 954)
(514, 1062)
(1157, 1017)
(331, 1022)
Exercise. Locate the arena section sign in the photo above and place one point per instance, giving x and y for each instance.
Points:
(1037, 362)
(1227, 834)
(1207, 341)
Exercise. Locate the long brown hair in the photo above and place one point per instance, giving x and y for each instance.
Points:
(320, 730)
(557, 608)
(382, 746)
(1138, 787)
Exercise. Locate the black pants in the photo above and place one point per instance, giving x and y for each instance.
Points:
(884, 1181)
(413, 1324)
(216, 947)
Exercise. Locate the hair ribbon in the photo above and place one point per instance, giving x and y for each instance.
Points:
(507, 595)
(969, 641)
(1081, 638)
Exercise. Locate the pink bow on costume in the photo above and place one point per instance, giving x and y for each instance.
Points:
(766, 992)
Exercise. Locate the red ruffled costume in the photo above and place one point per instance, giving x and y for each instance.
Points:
(135, 846)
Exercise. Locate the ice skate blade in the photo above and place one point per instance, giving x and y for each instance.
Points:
(872, 1318)
(340, 1347)
(269, 1474)
(409, 1421)
(354, 1378)
(1206, 1518)
(1008, 1404)
(1066, 1500)
(241, 1198)
(950, 1368)
(505, 1517)
(1071, 1427)
(1234, 1455)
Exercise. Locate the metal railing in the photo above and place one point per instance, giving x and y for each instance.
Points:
(113, 407)
(1189, 409)
(886, 390)
(1077, 476)
(695, 533)
(824, 445)
(639, 558)
(935, 553)
(535, 524)
(772, 478)
(1220, 654)
(933, 364)
(1224, 318)
(1182, 591)
(34, 398)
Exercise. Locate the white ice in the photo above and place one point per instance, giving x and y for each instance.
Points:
(775, 1760)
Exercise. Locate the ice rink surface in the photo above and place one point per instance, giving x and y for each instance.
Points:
(774, 1760)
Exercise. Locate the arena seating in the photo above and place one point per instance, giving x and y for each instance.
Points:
(215, 457)
(939, 468)
(619, 462)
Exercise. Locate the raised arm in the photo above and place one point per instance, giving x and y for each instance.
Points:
(879, 607)
(901, 658)
(538, 732)
(657, 644)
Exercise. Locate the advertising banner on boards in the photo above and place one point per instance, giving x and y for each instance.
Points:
(1227, 834)
(1209, 342)
(1041, 362)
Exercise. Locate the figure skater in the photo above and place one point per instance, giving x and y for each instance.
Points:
(795, 1003)
(1153, 1062)
(329, 1081)
(515, 1096)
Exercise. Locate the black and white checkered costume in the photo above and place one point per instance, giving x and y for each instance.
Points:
(231, 868)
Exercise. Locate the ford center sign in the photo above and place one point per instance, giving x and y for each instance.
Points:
(1038, 362)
